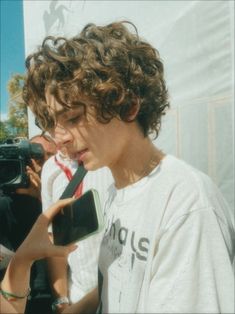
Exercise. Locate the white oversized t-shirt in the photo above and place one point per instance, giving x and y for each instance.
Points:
(167, 246)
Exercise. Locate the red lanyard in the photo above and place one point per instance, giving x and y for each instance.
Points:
(69, 175)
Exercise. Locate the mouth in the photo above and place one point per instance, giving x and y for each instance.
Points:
(79, 155)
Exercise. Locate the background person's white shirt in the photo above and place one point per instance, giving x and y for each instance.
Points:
(83, 272)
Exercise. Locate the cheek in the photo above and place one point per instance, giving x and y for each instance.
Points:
(77, 134)
(100, 138)
(104, 143)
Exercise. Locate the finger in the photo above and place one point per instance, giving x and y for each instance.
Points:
(62, 251)
(35, 181)
(70, 248)
(34, 164)
(22, 191)
(33, 175)
(32, 172)
(37, 167)
(55, 208)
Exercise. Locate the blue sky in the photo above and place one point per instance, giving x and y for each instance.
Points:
(12, 45)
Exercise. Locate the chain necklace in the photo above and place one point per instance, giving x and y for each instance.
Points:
(154, 160)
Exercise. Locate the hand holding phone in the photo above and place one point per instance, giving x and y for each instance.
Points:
(80, 219)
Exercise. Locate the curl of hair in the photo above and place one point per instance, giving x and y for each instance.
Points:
(108, 65)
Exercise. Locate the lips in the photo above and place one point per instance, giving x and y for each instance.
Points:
(79, 155)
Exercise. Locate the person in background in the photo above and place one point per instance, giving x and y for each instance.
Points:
(169, 234)
(19, 209)
(28, 200)
(72, 278)
(49, 146)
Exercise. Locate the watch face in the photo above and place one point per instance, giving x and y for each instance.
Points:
(59, 303)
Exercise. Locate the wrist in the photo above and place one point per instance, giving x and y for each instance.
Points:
(21, 260)
(10, 296)
(15, 284)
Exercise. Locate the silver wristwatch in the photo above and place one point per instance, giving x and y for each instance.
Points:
(58, 302)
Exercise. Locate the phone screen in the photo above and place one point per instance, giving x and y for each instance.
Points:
(78, 220)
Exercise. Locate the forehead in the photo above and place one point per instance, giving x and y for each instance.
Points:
(57, 109)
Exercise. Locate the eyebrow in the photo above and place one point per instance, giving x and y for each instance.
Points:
(65, 109)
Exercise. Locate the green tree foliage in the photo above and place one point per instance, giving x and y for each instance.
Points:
(4, 131)
(17, 117)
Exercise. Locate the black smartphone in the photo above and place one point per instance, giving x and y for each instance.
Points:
(79, 220)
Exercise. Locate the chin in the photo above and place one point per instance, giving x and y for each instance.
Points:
(91, 166)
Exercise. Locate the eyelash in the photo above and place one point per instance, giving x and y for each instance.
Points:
(74, 119)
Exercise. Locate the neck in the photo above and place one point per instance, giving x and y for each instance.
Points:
(138, 160)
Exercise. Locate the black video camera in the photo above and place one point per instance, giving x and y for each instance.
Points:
(14, 157)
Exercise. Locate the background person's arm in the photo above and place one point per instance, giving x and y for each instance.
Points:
(87, 305)
(57, 271)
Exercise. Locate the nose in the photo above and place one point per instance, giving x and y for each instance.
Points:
(62, 136)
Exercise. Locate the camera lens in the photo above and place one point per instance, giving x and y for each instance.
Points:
(36, 151)
(9, 171)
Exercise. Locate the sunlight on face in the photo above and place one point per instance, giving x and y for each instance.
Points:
(86, 139)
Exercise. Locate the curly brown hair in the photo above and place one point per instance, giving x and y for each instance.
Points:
(109, 65)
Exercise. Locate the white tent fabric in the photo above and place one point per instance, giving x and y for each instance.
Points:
(196, 42)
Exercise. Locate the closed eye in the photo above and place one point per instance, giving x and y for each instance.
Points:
(74, 120)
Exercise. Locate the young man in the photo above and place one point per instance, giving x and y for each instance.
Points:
(167, 245)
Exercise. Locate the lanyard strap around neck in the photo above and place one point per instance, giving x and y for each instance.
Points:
(75, 185)
(65, 169)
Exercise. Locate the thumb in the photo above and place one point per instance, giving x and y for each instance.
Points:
(62, 251)
(71, 247)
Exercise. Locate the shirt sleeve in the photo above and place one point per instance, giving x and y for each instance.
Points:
(46, 191)
(50, 172)
(192, 268)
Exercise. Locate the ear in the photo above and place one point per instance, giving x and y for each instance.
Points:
(135, 107)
